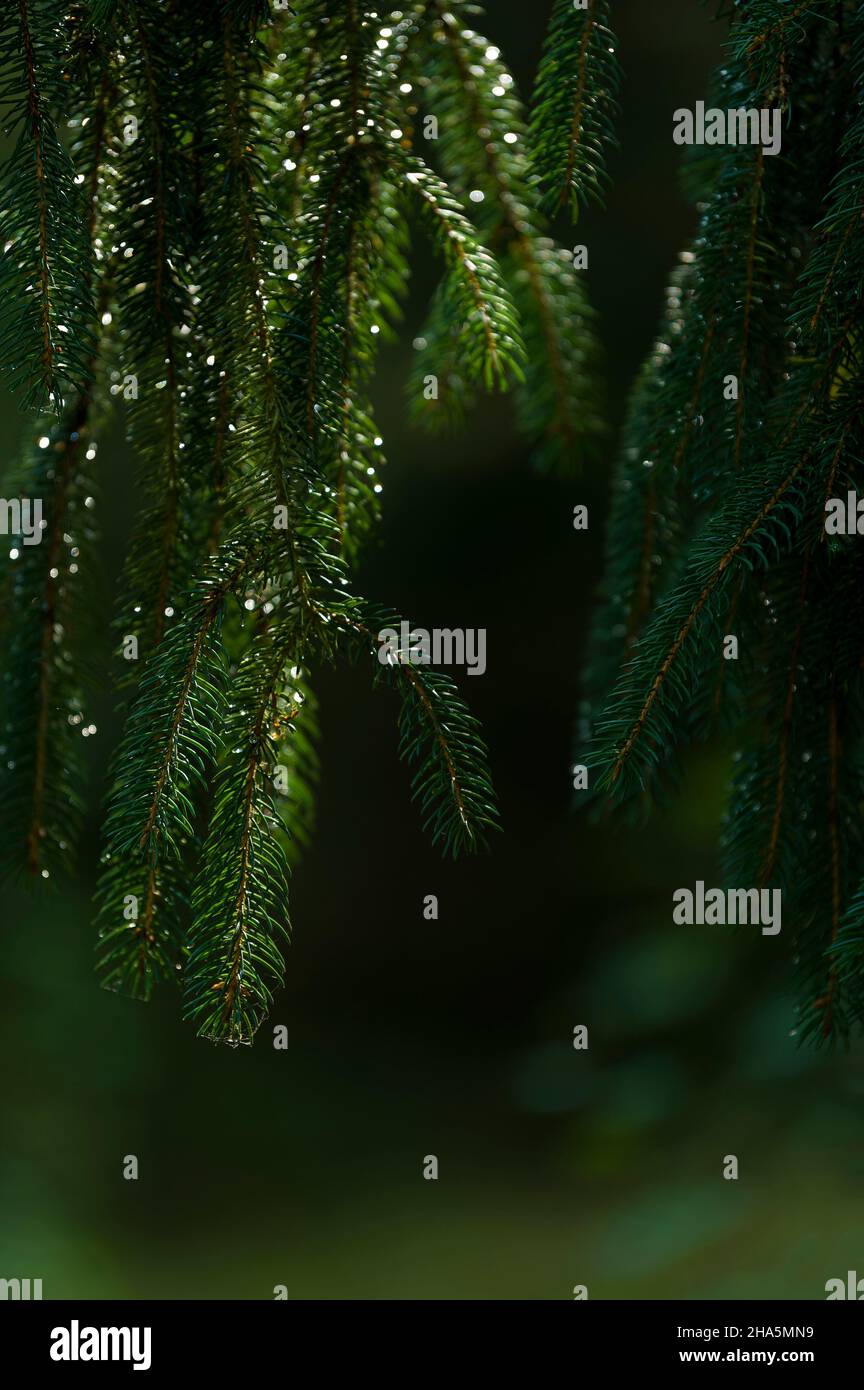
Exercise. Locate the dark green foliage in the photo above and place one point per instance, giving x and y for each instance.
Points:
(439, 740)
(298, 763)
(46, 320)
(153, 233)
(164, 763)
(472, 306)
(45, 621)
(227, 234)
(483, 150)
(238, 904)
(718, 514)
(43, 698)
(576, 104)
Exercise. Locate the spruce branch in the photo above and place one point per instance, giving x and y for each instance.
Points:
(473, 307)
(169, 748)
(575, 104)
(46, 313)
(227, 234)
(239, 912)
(439, 739)
(298, 762)
(154, 305)
(484, 151)
(718, 523)
(46, 627)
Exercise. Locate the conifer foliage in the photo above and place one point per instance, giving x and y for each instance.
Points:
(746, 419)
(209, 210)
(575, 103)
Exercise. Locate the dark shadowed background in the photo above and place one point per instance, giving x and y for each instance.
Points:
(406, 1037)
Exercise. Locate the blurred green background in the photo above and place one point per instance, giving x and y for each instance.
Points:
(454, 1037)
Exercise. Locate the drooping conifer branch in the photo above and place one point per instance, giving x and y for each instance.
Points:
(468, 88)
(439, 739)
(238, 204)
(239, 905)
(45, 623)
(576, 104)
(153, 307)
(46, 317)
(729, 490)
